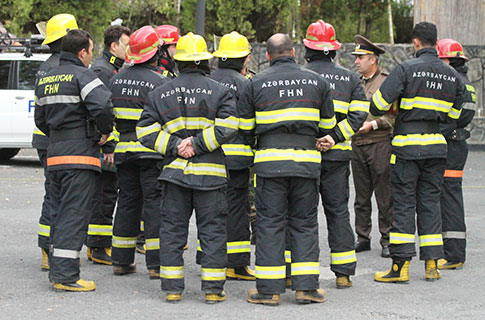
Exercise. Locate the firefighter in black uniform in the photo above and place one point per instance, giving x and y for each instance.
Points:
(138, 166)
(57, 28)
(169, 35)
(72, 106)
(100, 229)
(351, 109)
(428, 91)
(187, 120)
(234, 54)
(287, 107)
(452, 208)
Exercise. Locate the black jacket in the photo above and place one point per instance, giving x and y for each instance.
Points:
(72, 104)
(107, 66)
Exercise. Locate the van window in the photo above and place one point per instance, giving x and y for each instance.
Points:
(4, 68)
(27, 71)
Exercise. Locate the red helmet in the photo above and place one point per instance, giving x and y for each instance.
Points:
(143, 45)
(449, 48)
(169, 34)
(321, 36)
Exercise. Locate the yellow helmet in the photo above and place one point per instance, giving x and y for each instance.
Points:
(233, 45)
(58, 26)
(191, 47)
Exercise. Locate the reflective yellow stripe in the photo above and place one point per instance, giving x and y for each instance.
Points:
(327, 123)
(189, 123)
(289, 114)
(213, 274)
(229, 122)
(123, 242)
(198, 246)
(247, 124)
(343, 257)
(345, 145)
(152, 244)
(470, 88)
(37, 131)
(346, 129)
(202, 168)
(131, 146)
(431, 240)
(142, 225)
(454, 113)
(44, 230)
(341, 106)
(379, 101)
(393, 159)
(305, 268)
(287, 256)
(100, 230)
(359, 105)
(400, 238)
(287, 155)
(128, 113)
(426, 104)
(418, 139)
(237, 150)
(277, 272)
(115, 134)
(210, 140)
(171, 272)
(238, 247)
(162, 142)
(144, 131)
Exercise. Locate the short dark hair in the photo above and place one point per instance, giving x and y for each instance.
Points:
(279, 44)
(113, 34)
(76, 40)
(426, 33)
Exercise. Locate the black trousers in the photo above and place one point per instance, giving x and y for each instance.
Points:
(452, 207)
(416, 191)
(371, 173)
(44, 220)
(287, 203)
(71, 200)
(334, 190)
(100, 229)
(139, 190)
(177, 206)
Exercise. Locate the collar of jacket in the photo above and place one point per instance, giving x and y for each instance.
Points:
(427, 51)
(69, 58)
(378, 72)
(112, 59)
(282, 60)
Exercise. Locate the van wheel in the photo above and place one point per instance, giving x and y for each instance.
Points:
(8, 153)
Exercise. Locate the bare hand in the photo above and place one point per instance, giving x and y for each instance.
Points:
(366, 127)
(104, 138)
(109, 159)
(185, 148)
(325, 143)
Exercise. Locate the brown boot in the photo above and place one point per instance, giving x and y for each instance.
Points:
(306, 297)
(123, 270)
(266, 299)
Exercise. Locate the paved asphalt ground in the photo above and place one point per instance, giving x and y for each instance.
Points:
(25, 291)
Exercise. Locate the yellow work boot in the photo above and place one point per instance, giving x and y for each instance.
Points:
(432, 272)
(101, 255)
(89, 253)
(399, 272)
(444, 264)
(122, 270)
(266, 299)
(343, 281)
(309, 296)
(141, 248)
(78, 286)
(288, 283)
(240, 273)
(212, 298)
(173, 297)
(154, 274)
(44, 264)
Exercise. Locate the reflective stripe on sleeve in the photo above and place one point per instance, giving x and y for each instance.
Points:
(454, 235)
(418, 140)
(400, 238)
(171, 272)
(454, 113)
(238, 247)
(229, 122)
(359, 105)
(379, 101)
(305, 268)
(124, 242)
(131, 146)
(144, 131)
(210, 140)
(44, 230)
(346, 129)
(431, 240)
(128, 113)
(152, 244)
(247, 124)
(189, 123)
(327, 123)
(340, 106)
(162, 142)
(198, 168)
(277, 272)
(237, 150)
(100, 230)
(343, 257)
(213, 274)
(64, 253)
(345, 145)
(89, 87)
(289, 114)
(287, 155)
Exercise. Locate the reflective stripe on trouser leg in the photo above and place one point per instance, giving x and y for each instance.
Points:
(44, 220)
(238, 235)
(72, 191)
(428, 208)
(100, 228)
(128, 213)
(211, 213)
(334, 190)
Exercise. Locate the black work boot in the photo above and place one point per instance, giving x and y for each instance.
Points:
(122, 270)
(309, 296)
(101, 255)
(259, 298)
